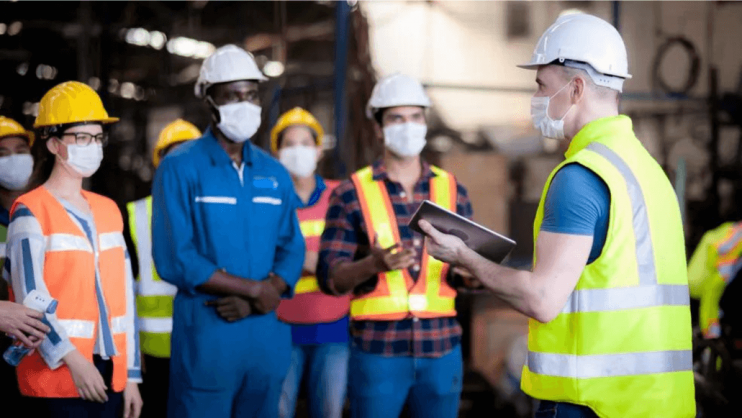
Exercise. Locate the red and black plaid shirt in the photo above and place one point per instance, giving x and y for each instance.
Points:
(346, 239)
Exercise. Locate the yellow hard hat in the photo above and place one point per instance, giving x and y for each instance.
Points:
(296, 116)
(177, 131)
(9, 127)
(71, 102)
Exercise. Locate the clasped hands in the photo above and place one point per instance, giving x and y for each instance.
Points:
(265, 297)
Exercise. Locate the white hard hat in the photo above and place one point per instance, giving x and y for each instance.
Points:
(396, 90)
(228, 63)
(586, 39)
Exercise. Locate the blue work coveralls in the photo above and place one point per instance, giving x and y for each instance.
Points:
(209, 214)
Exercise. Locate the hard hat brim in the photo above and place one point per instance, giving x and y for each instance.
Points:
(105, 121)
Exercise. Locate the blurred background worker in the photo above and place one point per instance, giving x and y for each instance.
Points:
(16, 166)
(714, 264)
(67, 243)
(611, 328)
(405, 337)
(319, 322)
(154, 296)
(225, 232)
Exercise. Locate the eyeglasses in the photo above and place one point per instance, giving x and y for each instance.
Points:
(84, 138)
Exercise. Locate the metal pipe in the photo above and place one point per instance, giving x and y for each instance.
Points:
(342, 16)
(617, 15)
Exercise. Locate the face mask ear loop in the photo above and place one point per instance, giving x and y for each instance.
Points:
(215, 115)
(554, 95)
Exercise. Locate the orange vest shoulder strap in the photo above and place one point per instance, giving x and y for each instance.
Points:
(105, 212)
(48, 211)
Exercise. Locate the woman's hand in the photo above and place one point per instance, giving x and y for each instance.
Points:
(22, 323)
(87, 378)
(132, 401)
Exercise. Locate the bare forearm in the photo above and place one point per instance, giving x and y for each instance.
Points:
(347, 275)
(225, 284)
(517, 288)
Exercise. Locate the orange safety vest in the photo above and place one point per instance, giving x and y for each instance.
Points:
(69, 275)
(309, 305)
(396, 295)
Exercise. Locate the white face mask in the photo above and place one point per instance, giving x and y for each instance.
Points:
(85, 159)
(405, 139)
(15, 170)
(300, 160)
(239, 121)
(549, 127)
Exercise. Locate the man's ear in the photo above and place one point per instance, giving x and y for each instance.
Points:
(378, 130)
(578, 89)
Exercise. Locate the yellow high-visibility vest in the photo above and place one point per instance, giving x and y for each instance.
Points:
(622, 343)
(154, 295)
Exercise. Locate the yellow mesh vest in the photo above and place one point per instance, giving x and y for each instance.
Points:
(622, 343)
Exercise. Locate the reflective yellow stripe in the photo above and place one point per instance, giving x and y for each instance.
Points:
(379, 306)
(383, 225)
(307, 284)
(441, 194)
(312, 228)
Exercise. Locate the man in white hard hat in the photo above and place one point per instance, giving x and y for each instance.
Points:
(610, 333)
(225, 233)
(405, 338)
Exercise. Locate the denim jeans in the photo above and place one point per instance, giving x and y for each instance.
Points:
(549, 409)
(380, 386)
(326, 369)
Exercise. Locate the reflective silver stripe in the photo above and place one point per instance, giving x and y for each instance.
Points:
(156, 325)
(147, 285)
(67, 242)
(2, 250)
(609, 365)
(110, 240)
(644, 251)
(118, 324)
(620, 298)
(730, 243)
(77, 328)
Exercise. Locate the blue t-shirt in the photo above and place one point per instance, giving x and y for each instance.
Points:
(334, 332)
(578, 202)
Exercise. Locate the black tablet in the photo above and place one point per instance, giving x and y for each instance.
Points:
(487, 243)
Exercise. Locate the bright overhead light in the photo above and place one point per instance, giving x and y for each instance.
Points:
(187, 47)
(128, 90)
(15, 28)
(138, 36)
(22, 68)
(113, 85)
(94, 83)
(273, 69)
(45, 72)
(157, 39)
(3, 28)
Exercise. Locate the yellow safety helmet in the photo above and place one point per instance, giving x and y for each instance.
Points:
(9, 127)
(177, 131)
(296, 116)
(71, 102)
